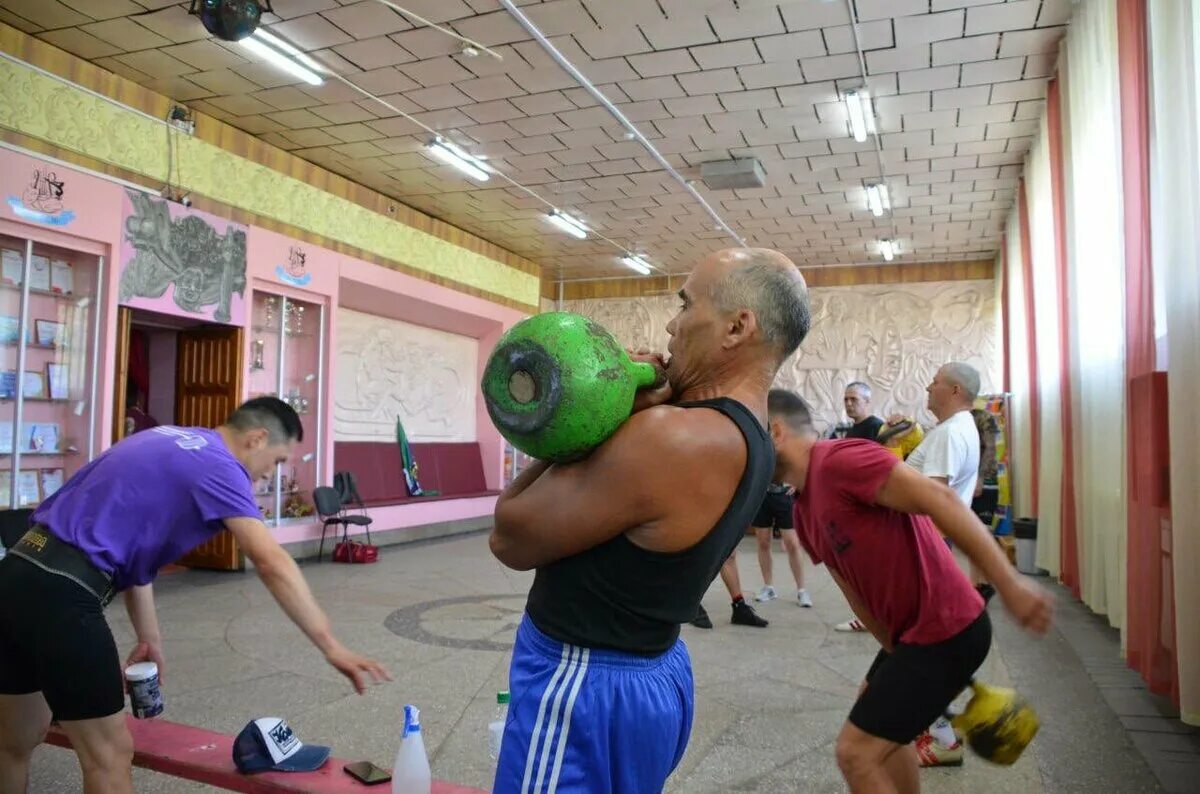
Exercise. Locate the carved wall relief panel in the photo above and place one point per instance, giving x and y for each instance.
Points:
(894, 337)
(388, 368)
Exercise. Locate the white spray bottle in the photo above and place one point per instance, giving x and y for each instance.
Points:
(411, 774)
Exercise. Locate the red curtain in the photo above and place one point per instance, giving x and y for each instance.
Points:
(1069, 543)
(1150, 591)
(1035, 403)
(139, 365)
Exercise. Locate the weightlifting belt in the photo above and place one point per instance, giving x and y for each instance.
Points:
(54, 556)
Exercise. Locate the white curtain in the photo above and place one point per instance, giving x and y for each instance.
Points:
(1017, 337)
(1096, 280)
(1174, 53)
(1045, 303)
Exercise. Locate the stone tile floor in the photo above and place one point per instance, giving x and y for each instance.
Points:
(770, 701)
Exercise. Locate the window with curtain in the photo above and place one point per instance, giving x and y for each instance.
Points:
(1096, 270)
(1018, 365)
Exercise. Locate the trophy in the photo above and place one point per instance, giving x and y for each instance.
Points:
(269, 311)
(259, 346)
(298, 318)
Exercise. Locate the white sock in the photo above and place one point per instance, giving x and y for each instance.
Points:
(943, 733)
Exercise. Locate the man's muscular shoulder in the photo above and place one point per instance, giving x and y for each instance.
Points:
(684, 443)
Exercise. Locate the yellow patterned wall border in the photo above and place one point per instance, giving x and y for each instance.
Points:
(52, 110)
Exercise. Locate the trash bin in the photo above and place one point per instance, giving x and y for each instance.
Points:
(1025, 532)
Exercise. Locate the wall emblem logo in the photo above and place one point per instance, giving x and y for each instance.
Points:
(295, 272)
(42, 200)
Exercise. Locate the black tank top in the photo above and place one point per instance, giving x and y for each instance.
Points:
(618, 595)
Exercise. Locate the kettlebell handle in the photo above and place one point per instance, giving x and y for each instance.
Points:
(644, 374)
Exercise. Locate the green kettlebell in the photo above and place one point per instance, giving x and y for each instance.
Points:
(558, 384)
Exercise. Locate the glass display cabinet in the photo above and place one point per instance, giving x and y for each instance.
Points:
(286, 360)
(49, 337)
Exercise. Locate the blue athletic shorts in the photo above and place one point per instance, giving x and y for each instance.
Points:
(587, 720)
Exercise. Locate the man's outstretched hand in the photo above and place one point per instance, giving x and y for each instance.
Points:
(357, 668)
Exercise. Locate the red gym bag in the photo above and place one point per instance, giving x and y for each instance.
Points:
(353, 551)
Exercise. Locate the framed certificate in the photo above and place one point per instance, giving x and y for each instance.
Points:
(48, 332)
(51, 481)
(33, 384)
(28, 493)
(58, 377)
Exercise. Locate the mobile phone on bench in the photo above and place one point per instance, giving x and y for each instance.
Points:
(367, 773)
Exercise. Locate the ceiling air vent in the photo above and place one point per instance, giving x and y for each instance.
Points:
(733, 174)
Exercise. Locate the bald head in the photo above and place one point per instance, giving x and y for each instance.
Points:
(964, 376)
(766, 283)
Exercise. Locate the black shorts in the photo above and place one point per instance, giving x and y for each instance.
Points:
(913, 685)
(775, 512)
(54, 640)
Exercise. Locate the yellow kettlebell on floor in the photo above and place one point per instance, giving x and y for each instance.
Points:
(998, 723)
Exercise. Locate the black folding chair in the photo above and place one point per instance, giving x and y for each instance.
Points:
(331, 510)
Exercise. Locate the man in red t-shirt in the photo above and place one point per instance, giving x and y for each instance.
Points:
(867, 518)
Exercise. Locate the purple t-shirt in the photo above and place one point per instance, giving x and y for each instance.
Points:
(148, 500)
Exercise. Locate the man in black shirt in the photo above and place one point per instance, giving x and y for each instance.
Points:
(857, 401)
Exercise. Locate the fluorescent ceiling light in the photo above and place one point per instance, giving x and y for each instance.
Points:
(280, 60)
(889, 249)
(636, 263)
(568, 224)
(877, 199)
(290, 49)
(860, 113)
(452, 155)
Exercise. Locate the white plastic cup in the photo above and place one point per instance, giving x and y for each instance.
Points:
(145, 696)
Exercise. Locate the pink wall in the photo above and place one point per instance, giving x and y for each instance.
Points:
(334, 279)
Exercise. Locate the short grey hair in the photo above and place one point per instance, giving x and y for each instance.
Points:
(964, 376)
(776, 294)
(863, 388)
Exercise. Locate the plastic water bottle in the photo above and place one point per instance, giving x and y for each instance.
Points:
(496, 726)
(411, 773)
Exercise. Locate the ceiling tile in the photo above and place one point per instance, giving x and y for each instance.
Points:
(366, 19)
(657, 64)
(1055, 12)
(769, 75)
(557, 17)
(79, 42)
(155, 62)
(225, 82)
(536, 81)
(489, 112)
(749, 100)
(1031, 109)
(205, 55)
(752, 20)
(104, 9)
(653, 88)
(873, 35)
(972, 48)
(948, 98)
(439, 97)
(353, 133)
(384, 81)
(436, 72)
(344, 113)
(885, 9)
(680, 31)
(1030, 42)
(426, 42)
(929, 79)
(791, 46)
(374, 53)
(1002, 70)
(180, 89)
(1040, 65)
(710, 82)
(898, 59)
(128, 72)
(539, 104)
(489, 88)
(284, 98)
(1014, 15)
(492, 29)
(296, 8)
(831, 67)
(810, 14)
(242, 106)
(613, 42)
(719, 56)
(926, 28)
(310, 32)
(46, 13)
(126, 34)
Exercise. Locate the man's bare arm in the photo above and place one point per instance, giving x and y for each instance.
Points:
(657, 459)
(908, 491)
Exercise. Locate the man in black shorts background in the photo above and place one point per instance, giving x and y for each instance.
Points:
(775, 515)
(867, 518)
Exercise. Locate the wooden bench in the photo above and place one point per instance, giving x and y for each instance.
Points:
(207, 757)
(454, 470)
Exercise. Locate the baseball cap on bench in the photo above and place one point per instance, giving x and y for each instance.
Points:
(268, 744)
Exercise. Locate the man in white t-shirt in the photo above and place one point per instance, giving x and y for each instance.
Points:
(949, 453)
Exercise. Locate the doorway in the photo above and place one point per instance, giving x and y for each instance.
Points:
(178, 371)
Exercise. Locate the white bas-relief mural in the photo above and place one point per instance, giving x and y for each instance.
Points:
(892, 336)
(388, 368)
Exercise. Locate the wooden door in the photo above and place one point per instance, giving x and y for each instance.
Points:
(208, 386)
(124, 322)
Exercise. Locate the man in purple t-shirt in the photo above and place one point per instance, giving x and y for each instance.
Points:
(140, 505)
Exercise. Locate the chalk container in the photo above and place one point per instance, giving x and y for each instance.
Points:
(145, 697)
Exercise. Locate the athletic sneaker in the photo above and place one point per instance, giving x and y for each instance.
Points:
(701, 621)
(766, 594)
(803, 598)
(744, 615)
(854, 624)
(932, 753)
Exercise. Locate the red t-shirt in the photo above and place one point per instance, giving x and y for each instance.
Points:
(898, 563)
